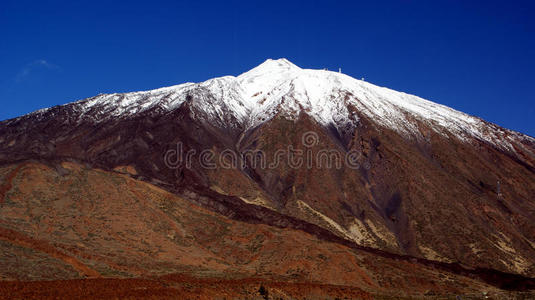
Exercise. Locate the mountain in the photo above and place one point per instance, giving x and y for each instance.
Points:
(290, 159)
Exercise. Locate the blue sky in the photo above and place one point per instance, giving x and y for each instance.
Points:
(477, 57)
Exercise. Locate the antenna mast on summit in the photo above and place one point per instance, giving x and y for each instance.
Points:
(339, 70)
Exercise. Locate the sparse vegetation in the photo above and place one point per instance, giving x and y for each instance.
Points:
(263, 292)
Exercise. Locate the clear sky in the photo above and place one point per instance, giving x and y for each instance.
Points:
(477, 57)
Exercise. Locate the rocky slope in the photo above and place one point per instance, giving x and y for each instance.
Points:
(69, 221)
(379, 169)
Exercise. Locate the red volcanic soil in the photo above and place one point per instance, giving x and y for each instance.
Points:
(175, 287)
(71, 231)
(22, 240)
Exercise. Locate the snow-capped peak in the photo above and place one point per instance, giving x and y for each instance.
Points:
(280, 87)
(271, 66)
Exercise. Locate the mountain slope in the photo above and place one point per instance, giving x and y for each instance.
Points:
(69, 222)
(421, 179)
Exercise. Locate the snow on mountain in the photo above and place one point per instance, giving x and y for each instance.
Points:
(280, 87)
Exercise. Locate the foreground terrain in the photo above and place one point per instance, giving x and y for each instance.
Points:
(70, 221)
